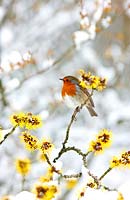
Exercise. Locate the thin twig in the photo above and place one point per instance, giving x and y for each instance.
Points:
(86, 154)
(54, 63)
(74, 149)
(7, 13)
(73, 175)
(49, 163)
(109, 189)
(58, 172)
(39, 72)
(23, 183)
(78, 151)
(77, 109)
(2, 92)
(105, 173)
(96, 180)
(84, 161)
(7, 135)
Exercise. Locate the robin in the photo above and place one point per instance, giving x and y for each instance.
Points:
(75, 95)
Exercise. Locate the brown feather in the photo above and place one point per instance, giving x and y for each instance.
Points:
(92, 111)
(88, 94)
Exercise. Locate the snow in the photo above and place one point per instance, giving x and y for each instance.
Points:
(56, 25)
(24, 195)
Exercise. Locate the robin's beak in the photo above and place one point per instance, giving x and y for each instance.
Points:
(61, 79)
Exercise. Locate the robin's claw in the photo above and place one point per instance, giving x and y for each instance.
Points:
(77, 109)
(75, 119)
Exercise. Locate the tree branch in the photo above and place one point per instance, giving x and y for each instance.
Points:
(58, 172)
(76, 111)
(105, 173)
(7, 135)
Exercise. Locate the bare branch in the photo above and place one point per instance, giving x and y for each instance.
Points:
(76, 111)
(7, 135)
(105, 173)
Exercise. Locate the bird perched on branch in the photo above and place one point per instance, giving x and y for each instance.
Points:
(75, 95)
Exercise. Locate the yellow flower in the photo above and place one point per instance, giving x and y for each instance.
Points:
(122, 161)
(102, 141)
(71, 183)
(81, 192)
(125, 159)
(50, 171)
(82, 72)
(18, 119)
(23, 166)
(115, 162)
(91, 183)
(83, 84)
(48, 176)
(102, 84)
(84, 75)
(120, 196)
(44, 179)
(42, 157)
(45, 191)
(45, 146)
(96, 147)
(28, 121)
(6, 197)
(33, 121)
(105, 137)
(31, 142)
(92, 82)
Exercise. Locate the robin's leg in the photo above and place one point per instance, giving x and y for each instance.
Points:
(77, 109)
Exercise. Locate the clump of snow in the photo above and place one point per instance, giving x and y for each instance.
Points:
(125, 190)
(24, 195)
(92, 194)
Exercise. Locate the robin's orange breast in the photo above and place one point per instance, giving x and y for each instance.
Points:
(68, 89)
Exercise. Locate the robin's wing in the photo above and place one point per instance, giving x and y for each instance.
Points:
(87, 93)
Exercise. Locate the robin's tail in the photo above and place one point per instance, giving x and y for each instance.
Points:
(92, 111)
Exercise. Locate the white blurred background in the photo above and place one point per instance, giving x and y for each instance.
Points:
(44, 40)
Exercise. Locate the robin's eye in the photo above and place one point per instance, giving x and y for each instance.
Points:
(66, 80)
